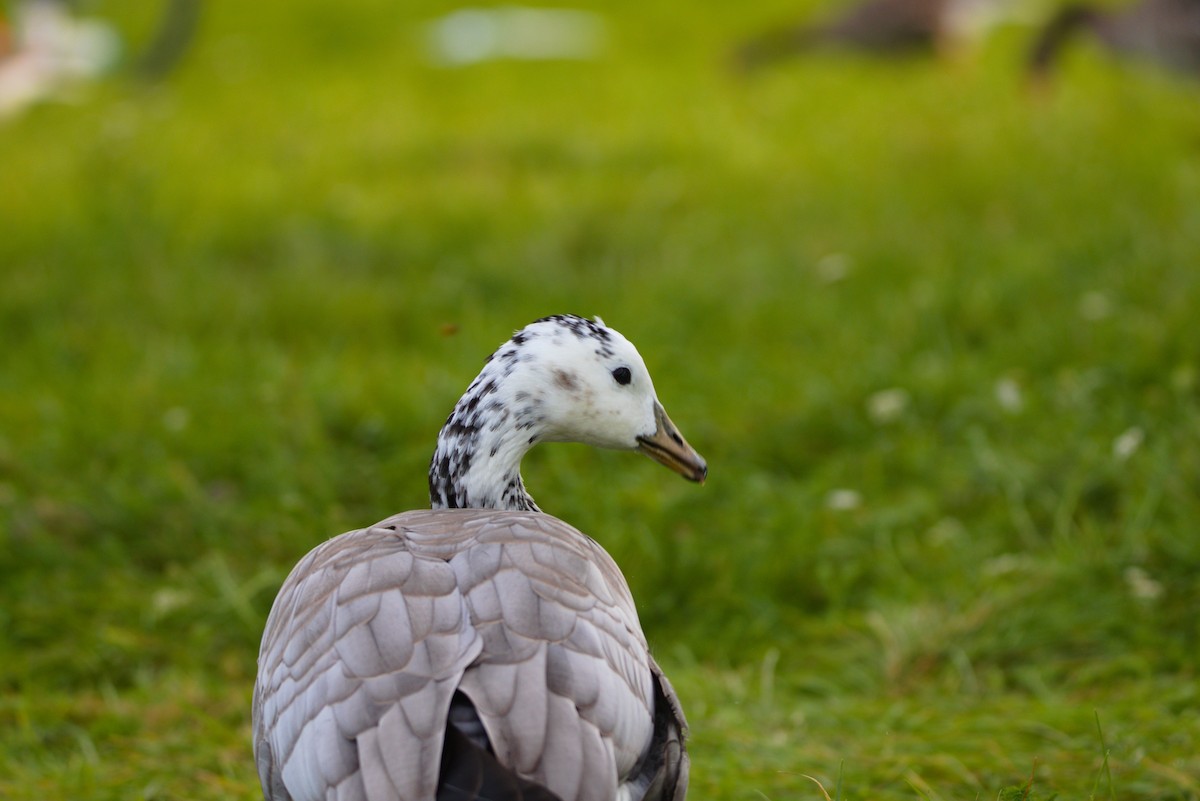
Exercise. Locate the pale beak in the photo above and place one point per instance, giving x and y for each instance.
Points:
(667, 447)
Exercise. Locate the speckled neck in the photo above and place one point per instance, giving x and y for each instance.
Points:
(477, 463)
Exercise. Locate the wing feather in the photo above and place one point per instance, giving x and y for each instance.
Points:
(361, 654)
(532, 621)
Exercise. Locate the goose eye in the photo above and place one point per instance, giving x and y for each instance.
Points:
(622, 375)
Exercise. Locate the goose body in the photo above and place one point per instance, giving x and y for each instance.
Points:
(481, 649)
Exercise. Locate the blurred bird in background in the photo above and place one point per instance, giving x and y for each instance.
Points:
(47, 50)
(884, 27)
(1162, 32)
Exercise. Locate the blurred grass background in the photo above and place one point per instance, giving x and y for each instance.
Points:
(935, 333)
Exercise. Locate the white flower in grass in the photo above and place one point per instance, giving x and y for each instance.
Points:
(886, 405)
(1141, 586)
(1009, 396)
(176, 419)
(946, 531)
(843, 500)
(1007, 563)
(833, 268)
(1095, 306)
(1127, 443)
(166, 600)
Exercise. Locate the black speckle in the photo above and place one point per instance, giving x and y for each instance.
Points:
(579, 326)
(501, 417)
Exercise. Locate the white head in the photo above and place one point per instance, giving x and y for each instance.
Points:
(559, 379)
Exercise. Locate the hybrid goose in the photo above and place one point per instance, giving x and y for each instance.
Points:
(482, 649)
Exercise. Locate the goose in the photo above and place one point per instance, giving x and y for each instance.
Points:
(482, 649)
(1166, 32)
(887, 27)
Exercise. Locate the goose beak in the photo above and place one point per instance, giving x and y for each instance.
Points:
(668, 447)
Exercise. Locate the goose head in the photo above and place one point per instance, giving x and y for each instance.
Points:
(559, 379)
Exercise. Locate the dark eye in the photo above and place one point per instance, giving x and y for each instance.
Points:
(622, 375)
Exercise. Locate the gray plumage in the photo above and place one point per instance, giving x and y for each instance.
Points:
(503, 625)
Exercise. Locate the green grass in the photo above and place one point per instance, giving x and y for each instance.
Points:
(236, 308)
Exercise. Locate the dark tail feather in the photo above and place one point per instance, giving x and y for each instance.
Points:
(471, 773)
(668, 760)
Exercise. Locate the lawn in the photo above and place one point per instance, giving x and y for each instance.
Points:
(934, 331)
